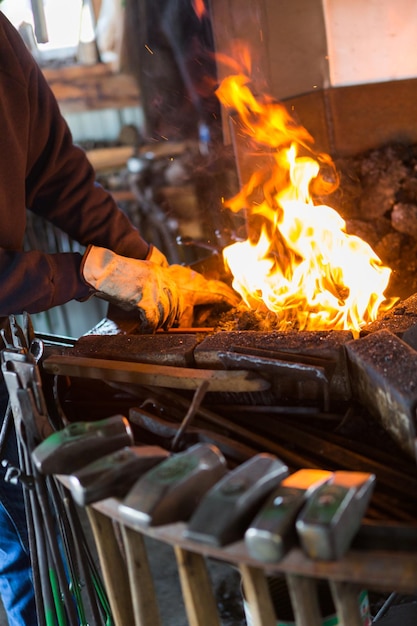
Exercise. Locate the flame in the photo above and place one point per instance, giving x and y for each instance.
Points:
(300, 264)
(199, 8)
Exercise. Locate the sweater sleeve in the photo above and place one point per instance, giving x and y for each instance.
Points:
(61, 183)
(51, 176)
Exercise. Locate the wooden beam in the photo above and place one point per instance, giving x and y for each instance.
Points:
(113, 567)
(92, 87)
(110, 158)
(197, 590)
(154, 375)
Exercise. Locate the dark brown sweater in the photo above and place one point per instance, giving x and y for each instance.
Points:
(43, 171)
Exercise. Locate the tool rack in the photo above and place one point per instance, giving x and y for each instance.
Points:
(123, 556)
(132, 597)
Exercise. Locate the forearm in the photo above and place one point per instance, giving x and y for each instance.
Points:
(71, 199)
(35, 282)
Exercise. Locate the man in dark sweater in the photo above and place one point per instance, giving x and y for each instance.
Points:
(43, 171)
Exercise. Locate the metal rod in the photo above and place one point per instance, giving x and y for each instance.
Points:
(36, 544)
(194, 406)
(384, 608)
(290, 457)
(6, 426)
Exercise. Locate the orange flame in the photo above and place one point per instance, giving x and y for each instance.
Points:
(301, 264)
(199, 8)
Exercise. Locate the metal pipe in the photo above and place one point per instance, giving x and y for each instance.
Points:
(385, 607)
(39, 21)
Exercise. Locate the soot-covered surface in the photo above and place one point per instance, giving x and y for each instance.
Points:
(377, 196)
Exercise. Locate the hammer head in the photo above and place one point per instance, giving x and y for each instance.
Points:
(272, 532)
(333, 514)
(80, 443)
(226, 510)
(170, 491)
(114, 474)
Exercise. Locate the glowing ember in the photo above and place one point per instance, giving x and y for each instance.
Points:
(298, 261)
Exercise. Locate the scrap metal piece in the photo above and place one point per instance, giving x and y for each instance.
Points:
(80, 443)
(113, 475)
(272, 532)
(226, 510)
(170, 491)
(333, 514)
(383, 377)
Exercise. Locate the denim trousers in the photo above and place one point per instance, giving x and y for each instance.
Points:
(16, 583)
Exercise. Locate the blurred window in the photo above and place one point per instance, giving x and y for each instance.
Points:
(64, 26)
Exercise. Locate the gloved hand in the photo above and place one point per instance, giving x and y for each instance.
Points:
(156, 256)
(163, 296)
(195, 290)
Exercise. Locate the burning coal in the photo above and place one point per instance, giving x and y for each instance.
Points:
(298, 261)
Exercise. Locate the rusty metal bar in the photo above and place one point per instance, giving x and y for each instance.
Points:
(339, 454)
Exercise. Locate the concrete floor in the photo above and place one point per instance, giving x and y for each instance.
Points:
(226, 584)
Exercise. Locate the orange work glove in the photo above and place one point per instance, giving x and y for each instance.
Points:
(156, 256)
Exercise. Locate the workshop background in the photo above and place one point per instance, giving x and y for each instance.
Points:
(134, 80)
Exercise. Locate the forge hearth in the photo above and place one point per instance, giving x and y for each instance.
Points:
(315, 399)
(320, 370)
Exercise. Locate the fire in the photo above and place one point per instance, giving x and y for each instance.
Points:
(298, 262)
(199, 8)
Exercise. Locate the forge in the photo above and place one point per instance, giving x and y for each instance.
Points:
(320, 399)
(333, 396)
